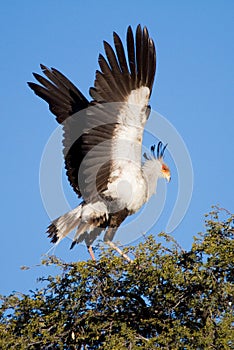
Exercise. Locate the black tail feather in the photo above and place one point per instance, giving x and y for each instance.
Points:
(52, 233)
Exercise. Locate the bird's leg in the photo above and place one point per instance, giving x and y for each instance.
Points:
(90, 250)
(113, 246)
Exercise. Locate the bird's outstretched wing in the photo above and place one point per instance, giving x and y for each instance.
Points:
(63, 97)
(64, 101)
(100, 133)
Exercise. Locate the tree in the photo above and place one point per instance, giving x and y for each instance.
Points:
(166, 298)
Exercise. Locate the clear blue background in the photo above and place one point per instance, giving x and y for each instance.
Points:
(193, 90)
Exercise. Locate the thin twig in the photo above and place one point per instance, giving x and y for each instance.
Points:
(222, 209)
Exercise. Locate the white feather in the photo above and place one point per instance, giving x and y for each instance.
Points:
(94, 210)
(152, 172)
(126, 182)
(84, 213)
(67, 222)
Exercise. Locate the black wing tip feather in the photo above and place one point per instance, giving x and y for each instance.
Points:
(123, 71)
(31, 84)
(62, 96)
(37, 76)
(142, 51)
(45, 69)
(129, 30)
(145, 30)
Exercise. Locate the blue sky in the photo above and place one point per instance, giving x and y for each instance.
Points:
(193, 90)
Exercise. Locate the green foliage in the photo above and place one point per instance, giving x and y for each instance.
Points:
(166, 298)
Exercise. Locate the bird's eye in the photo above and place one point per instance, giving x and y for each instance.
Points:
(164, 167)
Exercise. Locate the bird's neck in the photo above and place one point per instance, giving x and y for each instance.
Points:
(152, 172)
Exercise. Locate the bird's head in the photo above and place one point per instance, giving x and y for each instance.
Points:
(165, 171)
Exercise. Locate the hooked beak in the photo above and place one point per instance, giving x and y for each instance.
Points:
(168, 178)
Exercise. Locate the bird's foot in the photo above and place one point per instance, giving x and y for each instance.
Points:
(117, 249)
